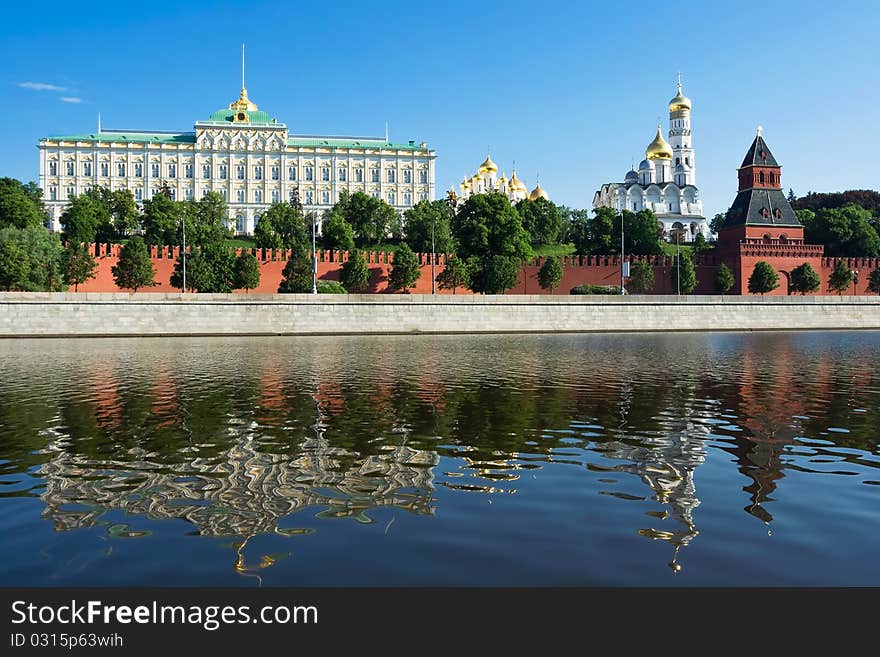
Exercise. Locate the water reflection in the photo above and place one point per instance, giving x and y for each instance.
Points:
(247, 438)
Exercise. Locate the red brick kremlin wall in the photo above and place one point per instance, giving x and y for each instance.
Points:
(577, 270)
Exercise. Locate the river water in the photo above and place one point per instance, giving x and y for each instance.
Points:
(684, 459)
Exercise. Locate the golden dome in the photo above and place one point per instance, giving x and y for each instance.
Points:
(658, 149)
(537, 193)
(488, 165)
(516, 184)
(680, 102)
(243, 103)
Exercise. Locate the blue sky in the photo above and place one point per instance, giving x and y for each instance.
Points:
(572, 91)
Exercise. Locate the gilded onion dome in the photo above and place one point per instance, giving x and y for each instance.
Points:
(488, 166)
(516, 184)
(658, 149)
(465, 184)
(502, 179)
(538, 192)
(680, 102)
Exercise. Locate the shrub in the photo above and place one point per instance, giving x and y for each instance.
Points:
(330, 287)
(595, 289)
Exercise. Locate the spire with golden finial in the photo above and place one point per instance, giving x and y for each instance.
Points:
(243, 104)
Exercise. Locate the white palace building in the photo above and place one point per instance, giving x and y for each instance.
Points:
(666, 181)
(243, 154)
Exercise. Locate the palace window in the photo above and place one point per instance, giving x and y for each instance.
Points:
(407, 198)
(291, 173)
(258, 196)
(276, 196)
(224, 194)
(390, 175)
(292, 195)
(423, 196)
(310, 197)
(341, 174)
(173, 194)
(635, 207)
(239, 195)
(206, 171)
(239, 171)
(155, 170)
(87, 168)
(71, 192)
(239, 224)
(310, 173)
(138, 194)
(53, 168)
(53, 193)
(276, 173)
(70, 168)
(374, 175)
(105, 169)
(258, 172)
(188, 170)
(325, 197)
(407, 176)
(120, 169)
(189, 193)
(224, 172)
(392, 198)
(359, 175)
(325, 173)
(423, 176)
(375, 194)
(172, 171)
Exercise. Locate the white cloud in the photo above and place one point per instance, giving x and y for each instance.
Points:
(70, 99)
(41, 86)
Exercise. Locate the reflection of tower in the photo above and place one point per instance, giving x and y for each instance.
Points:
(666, 462)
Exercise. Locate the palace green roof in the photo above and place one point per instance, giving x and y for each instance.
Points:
(228, 115)
(349, 142)
(133, 137)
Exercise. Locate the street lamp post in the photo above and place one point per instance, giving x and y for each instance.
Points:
(855, 277)
(183, 253)
(314, 255)
(451, 202)
(622, 274)
(678, 262)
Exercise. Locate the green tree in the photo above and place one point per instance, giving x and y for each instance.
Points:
(77, 264)
(20, 204)
(596, 235)
(370, 218)
(700, 245)
(82, 217)
(336, 233)
(492, 241)
(247, 271)
(641, 277)
(162, 220)
(221, 261)
(419, 222)
(120, 212)
(717, 222)
(282, 226)
(845, 232)
(576, 229)
(134, 269)
(763, 279)
(405, 269)
(206, 221)
(791, 196)
(804, 278)
(541, 220)
(354, 274)
(13, 265)
(640, 233)
(874, 281)
(296, 276)
(455, 274)
(198, 272)
(723, 279)
(550, 273)
(43, 250)
(683, 266)
(494, 274)
(841, 277)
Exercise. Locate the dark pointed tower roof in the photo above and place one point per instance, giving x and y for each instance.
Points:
(760, 200)
(759, 155)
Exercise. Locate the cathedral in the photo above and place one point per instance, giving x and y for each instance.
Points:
(486, 180)
(666, 181)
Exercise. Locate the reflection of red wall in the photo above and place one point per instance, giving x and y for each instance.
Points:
(577, 270)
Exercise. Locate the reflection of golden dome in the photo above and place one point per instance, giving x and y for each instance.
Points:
(680, 102)
(537, 193)
(658, 149)
(488, 165)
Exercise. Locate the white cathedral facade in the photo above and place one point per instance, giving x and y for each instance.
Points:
(666, 181)
(243, 154)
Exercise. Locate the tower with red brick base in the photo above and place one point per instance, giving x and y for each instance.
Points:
(761, 224)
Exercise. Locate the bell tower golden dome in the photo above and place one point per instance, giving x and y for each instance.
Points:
(658, 149)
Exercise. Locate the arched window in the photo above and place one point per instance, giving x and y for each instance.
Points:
(777, 213)
(239, 224)
(783, 238)
(767, 237)
(765, 213)
(761, 177)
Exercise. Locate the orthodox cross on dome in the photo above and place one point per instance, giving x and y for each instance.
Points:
(760, 130)
(679, 82)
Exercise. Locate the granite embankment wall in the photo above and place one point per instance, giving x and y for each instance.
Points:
(43, 314)
(576, 270)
